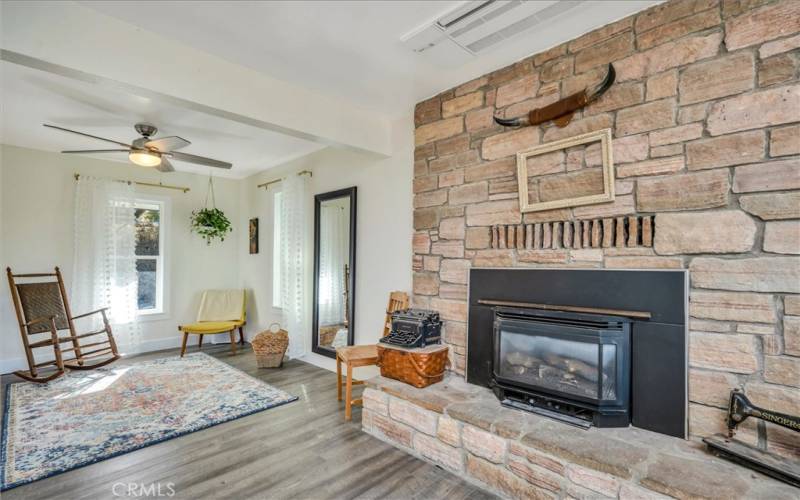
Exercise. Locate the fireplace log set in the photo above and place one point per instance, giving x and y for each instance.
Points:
(568, 368)
(564, 374)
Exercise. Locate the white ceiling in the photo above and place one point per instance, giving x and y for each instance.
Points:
(30, 97)
(345, 49)
(350, 49)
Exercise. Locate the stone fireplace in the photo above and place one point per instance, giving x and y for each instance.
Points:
(707, 166)
(704, 121)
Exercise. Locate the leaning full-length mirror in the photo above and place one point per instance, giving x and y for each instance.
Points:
(334, 270)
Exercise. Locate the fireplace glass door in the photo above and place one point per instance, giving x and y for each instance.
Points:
(551, 363)
(565, 359)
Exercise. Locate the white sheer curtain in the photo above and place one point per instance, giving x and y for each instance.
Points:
(333, 255)
(294, 221)
(104, 265)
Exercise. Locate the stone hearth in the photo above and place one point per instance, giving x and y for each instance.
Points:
(464, 429)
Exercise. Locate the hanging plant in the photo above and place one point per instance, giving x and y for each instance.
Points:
(210, 223)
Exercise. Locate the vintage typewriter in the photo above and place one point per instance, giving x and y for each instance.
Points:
(414, 328)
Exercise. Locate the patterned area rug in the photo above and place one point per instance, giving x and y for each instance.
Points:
(84, 417)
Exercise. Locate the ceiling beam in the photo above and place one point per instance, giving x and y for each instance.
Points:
(77, 42)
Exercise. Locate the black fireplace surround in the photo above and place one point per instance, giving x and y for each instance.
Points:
(600, 347)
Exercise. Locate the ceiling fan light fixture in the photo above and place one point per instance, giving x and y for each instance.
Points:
(145, 158)
(147, 152)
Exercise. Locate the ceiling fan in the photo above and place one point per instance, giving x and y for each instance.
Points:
(147, 152)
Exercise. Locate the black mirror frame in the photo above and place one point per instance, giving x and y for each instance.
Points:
(318, 199)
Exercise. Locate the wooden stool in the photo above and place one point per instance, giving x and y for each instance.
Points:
(363, 355)
(353, 357)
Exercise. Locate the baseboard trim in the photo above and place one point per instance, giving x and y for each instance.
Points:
(319, 361)
(14, 364)
(362, 372)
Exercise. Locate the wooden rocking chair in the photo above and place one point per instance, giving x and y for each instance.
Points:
(42, 307)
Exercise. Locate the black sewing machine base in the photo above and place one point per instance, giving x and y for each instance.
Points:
(772, 465)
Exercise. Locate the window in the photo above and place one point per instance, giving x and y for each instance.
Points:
(149, 256)
(276, 249)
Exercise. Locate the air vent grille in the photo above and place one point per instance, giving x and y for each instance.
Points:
(480, 25)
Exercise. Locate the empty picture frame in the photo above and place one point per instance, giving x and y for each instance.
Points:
(567, 173)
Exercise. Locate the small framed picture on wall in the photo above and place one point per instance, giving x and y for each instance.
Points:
(254, 235)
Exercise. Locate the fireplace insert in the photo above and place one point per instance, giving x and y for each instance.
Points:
(572, 366)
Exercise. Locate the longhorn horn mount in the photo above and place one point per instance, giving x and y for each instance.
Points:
(562, 111)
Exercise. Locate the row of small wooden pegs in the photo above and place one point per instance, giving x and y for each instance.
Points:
(630, 231)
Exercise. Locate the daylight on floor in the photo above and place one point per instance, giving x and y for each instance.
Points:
(400, 249)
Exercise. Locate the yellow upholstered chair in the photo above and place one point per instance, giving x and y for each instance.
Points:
(220, 311)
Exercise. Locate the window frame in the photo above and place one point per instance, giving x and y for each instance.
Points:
(162, 264)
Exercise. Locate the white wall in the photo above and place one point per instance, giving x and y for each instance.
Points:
(36, 200)
(383, 231)
(36, 210)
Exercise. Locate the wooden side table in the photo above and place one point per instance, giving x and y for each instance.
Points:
(353, 357)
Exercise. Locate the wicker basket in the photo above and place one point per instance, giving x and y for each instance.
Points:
(270, 347)
(418, 367)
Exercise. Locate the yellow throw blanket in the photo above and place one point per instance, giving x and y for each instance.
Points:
(221, 305)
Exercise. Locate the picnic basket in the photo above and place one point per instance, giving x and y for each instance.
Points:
(419, 367)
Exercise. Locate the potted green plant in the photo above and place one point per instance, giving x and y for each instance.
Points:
(210, 223)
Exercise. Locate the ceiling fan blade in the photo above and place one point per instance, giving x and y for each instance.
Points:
(88, 135)
(165, 166)
(200, 160)
(167, 144)
(79, 151)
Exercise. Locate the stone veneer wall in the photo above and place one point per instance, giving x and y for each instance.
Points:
(705, 116)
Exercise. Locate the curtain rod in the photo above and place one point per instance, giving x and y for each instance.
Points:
(149, 184)
(268, 184)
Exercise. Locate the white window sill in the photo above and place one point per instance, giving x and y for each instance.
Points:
(146, 316)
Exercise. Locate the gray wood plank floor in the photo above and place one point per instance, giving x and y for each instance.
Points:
(302, 450)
